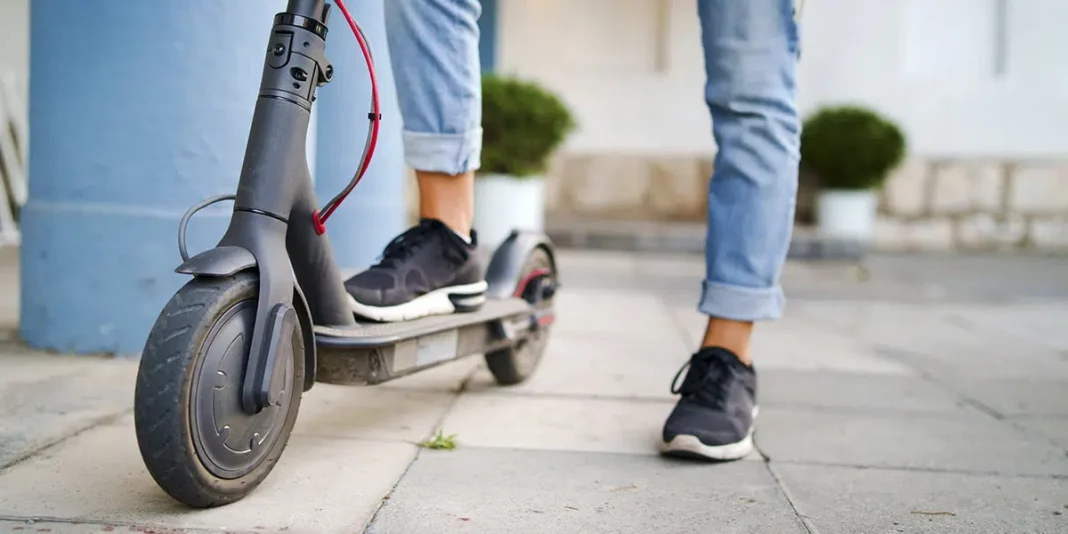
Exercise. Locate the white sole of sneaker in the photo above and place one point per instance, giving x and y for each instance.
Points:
(689, 446)
(438, 302)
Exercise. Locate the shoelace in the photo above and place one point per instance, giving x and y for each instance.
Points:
(403, 246)
(708, 373)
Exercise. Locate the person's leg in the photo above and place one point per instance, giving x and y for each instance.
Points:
(432, 268)
(434, 49)
(751, 50)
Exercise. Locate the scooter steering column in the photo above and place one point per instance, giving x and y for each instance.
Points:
(274, 191)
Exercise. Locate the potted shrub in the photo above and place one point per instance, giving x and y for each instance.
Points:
(523, 124)
(851, 150)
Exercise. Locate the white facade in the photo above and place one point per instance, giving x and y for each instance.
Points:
(965, 78)
(15, 42)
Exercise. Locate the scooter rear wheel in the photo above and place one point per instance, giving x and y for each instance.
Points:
(515, 364)
(195, 440)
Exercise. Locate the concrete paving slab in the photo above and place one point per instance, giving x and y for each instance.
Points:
(966, 440)
(852, 391)
(557, 423)
(602, 262)
(977, 277)
(594, 270)
(906, 278)
(933, 340)
(798, 344)
(831, 315)
(1053, 427)
(487, 490)
(320, 485)
(959, 365)
(842, 382)
(371, 413)
(600, 366)
(684, 266)
(95, 527)
(46, 398)
(21, 364)
(618, 313)
(1040, 323)
(843, 500)
(1017, 397)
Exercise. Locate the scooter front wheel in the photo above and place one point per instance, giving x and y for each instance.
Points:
(196, 441)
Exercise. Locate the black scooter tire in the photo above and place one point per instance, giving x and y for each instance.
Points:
(165, 390)
(514, 365)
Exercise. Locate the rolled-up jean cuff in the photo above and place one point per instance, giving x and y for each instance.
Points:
(445, 153)
(741, 303)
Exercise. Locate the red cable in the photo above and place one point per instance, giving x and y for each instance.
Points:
(320, 220)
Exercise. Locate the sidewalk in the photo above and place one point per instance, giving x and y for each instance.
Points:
(921, 394)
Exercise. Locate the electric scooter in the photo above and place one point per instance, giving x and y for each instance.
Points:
(266, 314)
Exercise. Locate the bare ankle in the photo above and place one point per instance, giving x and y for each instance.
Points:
(447, 198)
(731, 335)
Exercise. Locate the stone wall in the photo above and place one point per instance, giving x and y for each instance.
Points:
(927, 204)
(628, 187)
(971, 204)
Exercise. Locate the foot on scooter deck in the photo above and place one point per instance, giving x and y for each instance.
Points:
(372, 353)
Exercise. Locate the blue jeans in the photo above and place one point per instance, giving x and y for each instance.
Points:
(751, 49)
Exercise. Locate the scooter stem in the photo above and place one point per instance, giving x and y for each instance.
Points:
(275, 200)
(313, 9)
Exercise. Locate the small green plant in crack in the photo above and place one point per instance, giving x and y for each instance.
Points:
(441, 441)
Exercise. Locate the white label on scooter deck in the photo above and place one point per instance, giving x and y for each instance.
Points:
(437, 347)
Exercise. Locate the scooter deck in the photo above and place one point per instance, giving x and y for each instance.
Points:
(373, 334)
(371, 353)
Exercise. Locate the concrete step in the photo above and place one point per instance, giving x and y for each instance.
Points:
(683, 237)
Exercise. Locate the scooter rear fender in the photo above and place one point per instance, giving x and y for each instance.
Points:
(506, 267)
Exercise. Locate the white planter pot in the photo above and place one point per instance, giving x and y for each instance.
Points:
(847, 214)
(504, 203)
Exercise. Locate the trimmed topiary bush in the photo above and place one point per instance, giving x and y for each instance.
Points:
(851, 147)
(522, 124)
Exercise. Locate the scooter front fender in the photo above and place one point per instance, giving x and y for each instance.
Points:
(218, 262)
(229, 260)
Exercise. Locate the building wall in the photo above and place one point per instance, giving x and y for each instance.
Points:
(15, 42)
(975, 84)
(947, 70)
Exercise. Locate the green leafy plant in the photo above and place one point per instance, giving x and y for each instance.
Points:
(851, 147)
(522, 124)
(441, 441)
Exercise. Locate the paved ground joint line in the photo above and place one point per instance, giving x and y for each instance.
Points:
(677, 322)
(495, 391)
(892, 353)
(419, 448)
(99, 421)
(162, 529)
(649, 399)
(809, 526)
(912, 469)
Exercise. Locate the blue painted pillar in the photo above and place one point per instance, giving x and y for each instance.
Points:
(138, 109)
(487, 25)
(374, 213)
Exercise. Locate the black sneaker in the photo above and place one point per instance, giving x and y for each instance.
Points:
(427, 270)
(714, 418)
